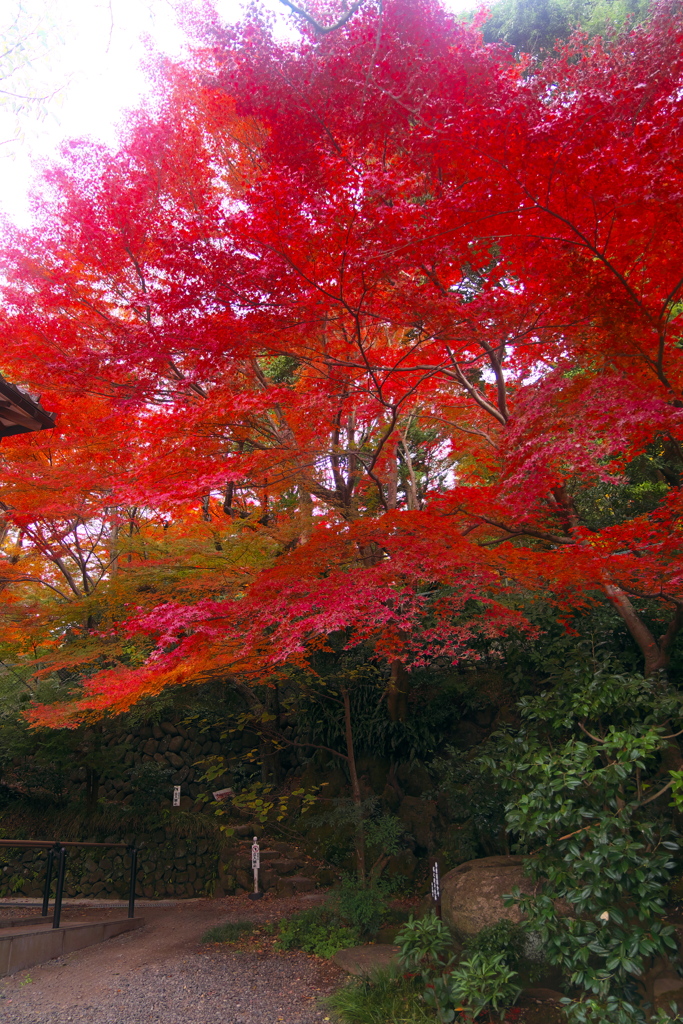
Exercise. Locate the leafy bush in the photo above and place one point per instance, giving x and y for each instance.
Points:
(231, 931)
(361, 909)
(316, 931)
(585, 805)
(425, 944)
(503, 938)
(484, 982)
(387, 997)
(349, 914)
(612, 1010)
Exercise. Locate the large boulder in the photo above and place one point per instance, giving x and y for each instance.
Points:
(472, 894)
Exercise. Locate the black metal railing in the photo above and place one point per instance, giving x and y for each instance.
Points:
(58, 850)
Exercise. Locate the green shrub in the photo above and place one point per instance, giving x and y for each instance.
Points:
(426, 944)
(612, 1010)
(581, 775)
(503, 938)
(349, 914)
(231, 931)
(316, 931)
(484, 982)
(358, 908)
(387, 997)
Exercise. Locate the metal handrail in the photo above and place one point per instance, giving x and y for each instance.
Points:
(59, 849)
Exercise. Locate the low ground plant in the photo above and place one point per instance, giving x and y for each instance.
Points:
(387, 997)
(316, 931)
(613, 1010)
(349, 915)
(231, 931)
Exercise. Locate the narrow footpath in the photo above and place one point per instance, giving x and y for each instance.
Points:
(163, 973)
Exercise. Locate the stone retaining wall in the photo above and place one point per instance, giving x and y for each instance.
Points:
(175, 748)
(167, 867)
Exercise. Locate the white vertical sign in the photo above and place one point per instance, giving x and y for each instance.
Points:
(176, 796)
(436, 884)
(255, 861)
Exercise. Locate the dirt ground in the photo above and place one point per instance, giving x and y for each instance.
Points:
(135, 975)
(163, 973)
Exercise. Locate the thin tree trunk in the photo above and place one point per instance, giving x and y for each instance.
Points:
(355, 787)
(656, 653)
(392, 473)
(411, 483)
(397, 692)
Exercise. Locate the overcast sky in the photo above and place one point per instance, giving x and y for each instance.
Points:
(92, 63)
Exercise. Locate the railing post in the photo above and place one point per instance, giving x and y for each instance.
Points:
(61, 870)
(48, 881)
(133, 873)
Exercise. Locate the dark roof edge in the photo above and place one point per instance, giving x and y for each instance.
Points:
(29, 405)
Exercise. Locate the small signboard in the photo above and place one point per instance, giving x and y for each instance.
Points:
(436, 884)
(176, 796)
(435, 887)
(223, 794)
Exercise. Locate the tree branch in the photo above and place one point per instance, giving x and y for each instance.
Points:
(323, 29)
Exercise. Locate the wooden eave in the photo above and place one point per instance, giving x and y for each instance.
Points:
(20, 413)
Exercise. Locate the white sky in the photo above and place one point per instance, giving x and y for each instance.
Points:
(93, 64)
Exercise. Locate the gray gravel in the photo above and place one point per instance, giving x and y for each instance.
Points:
(164, 973)
(206, 988)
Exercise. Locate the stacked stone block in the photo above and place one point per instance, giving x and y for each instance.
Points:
(168, 867)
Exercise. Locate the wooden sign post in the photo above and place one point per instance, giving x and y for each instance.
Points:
(255, 864)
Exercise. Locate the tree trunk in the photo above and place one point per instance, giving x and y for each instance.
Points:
(355, 787)
(392, 473)
(656, 653)
(397, 692)
(411, 483)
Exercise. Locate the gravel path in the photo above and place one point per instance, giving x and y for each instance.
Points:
(163, 974)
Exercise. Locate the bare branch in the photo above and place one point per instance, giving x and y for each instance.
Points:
(323, 29)
(597, 739)
(658, 793)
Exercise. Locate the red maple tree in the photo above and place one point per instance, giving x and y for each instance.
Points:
(387, 302)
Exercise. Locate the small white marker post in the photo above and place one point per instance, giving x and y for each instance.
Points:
(256, 864)
(176, 796)
(255, 861)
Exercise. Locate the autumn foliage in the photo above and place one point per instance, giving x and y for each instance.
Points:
(356, 335)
